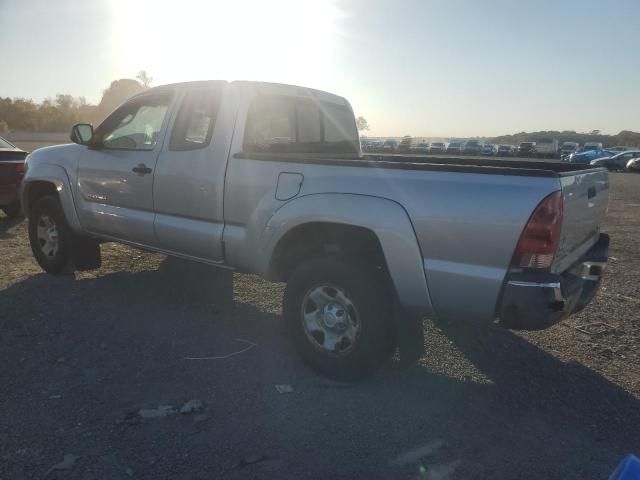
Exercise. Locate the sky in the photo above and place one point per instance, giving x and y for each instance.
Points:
(412, 67)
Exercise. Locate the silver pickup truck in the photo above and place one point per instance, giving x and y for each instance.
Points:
(270, 179)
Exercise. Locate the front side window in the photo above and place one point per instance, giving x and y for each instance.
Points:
(194, 124)
(136, 125)
(4, 144)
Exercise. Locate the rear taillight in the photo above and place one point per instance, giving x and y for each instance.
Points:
(540, 238)
(19, 167)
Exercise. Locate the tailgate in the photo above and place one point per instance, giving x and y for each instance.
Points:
(8, 173)
(585, 198)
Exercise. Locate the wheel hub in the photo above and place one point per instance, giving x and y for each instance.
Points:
(334, 316)
(48, 236)
(330, 319)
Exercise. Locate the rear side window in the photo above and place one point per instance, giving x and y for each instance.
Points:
(196, 119)
(299, 125)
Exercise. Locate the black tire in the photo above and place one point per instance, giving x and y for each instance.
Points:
(49, 207)
(73, 251)
(13, 210)
(365, 289)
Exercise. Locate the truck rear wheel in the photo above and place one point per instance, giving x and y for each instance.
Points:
(338, 315)
(55, 247)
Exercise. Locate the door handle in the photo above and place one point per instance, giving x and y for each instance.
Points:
(141, 169)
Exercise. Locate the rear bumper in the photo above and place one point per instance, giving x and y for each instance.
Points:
(537, 300)
(9, 194)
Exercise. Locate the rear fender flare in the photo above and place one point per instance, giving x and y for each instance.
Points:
(385, 218)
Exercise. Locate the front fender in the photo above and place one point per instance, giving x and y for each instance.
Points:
(57, 176)
(385, 218)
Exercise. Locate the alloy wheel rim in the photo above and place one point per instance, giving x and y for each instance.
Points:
(48, 239)
(330, 319)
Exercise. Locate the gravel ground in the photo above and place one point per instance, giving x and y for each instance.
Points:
(83, 354)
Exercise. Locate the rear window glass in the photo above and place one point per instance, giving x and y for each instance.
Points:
(270, 125)
(309, 122)
(299, 125)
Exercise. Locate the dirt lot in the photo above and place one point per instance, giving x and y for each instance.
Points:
(83, 354)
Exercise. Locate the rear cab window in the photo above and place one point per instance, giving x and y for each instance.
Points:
(287, 124)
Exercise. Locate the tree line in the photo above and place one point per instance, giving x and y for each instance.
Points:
(60, 113)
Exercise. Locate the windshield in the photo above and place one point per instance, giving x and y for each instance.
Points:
(5, 144)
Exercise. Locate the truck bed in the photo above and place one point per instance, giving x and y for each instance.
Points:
(471, 164)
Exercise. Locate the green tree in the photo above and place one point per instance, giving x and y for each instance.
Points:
(117, 93)
(362, 123)
(144, 78)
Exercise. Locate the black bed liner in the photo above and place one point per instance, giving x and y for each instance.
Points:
(492, 166)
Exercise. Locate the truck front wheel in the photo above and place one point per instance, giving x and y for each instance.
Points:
(338, 312)
(55, 247)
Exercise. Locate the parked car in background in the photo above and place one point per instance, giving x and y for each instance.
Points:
(422, 148)
(455, 147)
(568, 148)
(473, 147)
(633, 165)
(587, 147)
(619, 148)
(366, 144)
(489, 149)
(406, 145)
(589, 156)
(547, 147)
(390, 145)
(377, 146)
(527, 149)
(616, 162)
(11, 173)
(437, 147)
(507, 150)
(519, 243)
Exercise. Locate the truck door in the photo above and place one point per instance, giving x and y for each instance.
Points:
(115, 174)
(189, 180)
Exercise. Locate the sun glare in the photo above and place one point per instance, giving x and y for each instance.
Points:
(280, 40)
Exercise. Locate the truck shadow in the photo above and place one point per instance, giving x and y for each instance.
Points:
(7, 223)
(535, 416)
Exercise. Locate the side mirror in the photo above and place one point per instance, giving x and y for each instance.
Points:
(81, 133)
